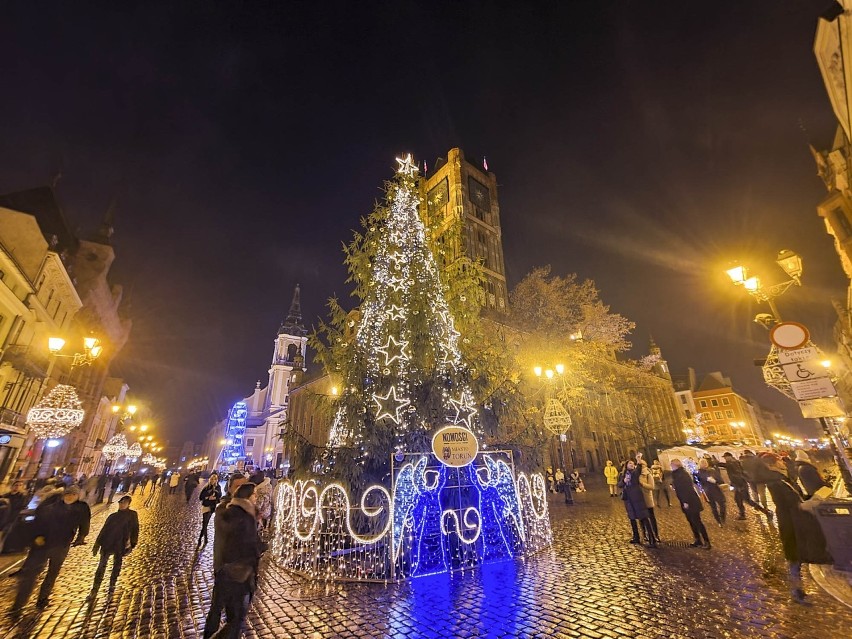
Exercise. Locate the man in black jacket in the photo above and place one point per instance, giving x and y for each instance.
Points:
(55, 526)
(236, 554)
(737, 478)
(115, 482)
(119, 536)
(690, 503)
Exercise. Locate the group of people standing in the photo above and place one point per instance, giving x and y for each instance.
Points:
(790, 483)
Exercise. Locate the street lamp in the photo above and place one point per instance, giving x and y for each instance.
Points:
(556, 418)
(91, 350)
(790, 263)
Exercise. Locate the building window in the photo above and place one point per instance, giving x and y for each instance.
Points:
(714, 402)
(841, 223)
(729, 414)
(726, 401)
(250, 442)
(718, 414)
(703, 403)
(683, 399)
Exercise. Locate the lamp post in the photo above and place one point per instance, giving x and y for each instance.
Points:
(790, 263)
(556, 418)
(92, 349)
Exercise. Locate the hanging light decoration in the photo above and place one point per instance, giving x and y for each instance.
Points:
(57, 414)
(134, 451)
(116, 447)
(148, 459)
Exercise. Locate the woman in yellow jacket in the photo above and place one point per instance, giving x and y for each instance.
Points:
(611, 474)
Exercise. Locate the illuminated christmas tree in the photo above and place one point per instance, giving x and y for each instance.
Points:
(398, 355)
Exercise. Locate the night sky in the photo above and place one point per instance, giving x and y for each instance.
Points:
(640, 144)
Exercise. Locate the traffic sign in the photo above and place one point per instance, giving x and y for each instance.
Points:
(798, 355)
(801, 371)
(790, 335)
(823, 407)
(813, 388)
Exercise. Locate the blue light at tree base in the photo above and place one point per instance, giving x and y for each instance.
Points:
(433, 519)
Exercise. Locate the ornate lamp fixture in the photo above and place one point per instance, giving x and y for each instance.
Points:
(57, 414)
(116, 447)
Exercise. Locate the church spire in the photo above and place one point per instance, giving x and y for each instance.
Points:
(293, 324)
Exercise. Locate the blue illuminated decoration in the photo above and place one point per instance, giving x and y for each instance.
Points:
(234, 449)
(435, 519)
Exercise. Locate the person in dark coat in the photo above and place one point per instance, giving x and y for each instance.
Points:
(14, 502)
(115, 482)
(808, 474)
(754, 471)
(634, 503)
(801, 536)
(210, 497)
(710, 478)
(236, 553)
(118, 537)
(101, 488)
(737, 478)
(190, 484)
(56, 525)
(690, 503)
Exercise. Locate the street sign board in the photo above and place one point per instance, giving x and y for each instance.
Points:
(798, 355)
(813, 388)
(789, 335)
(804, 370)
(823, 407)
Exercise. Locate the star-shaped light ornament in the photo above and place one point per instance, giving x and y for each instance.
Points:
(390, 405)
(465, 411)
(394, 350)
(395, 313)
(406, 165)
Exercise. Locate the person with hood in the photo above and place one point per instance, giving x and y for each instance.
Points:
(57, 523)
(118, 537)
(236, 553)
(808, 474)
(646, 481)
(801, 536)
(210, 497)
(174, 482)
(611, 474)
(634, 504)
(264, 498)
(710, 478)
(690, 503)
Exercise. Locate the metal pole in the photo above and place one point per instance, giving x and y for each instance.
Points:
(840, 457)
(772, 307)
(569, 499)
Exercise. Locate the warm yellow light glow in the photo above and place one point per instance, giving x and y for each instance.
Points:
(115, 408)
(560, 368)
(548, 373)
(222, 442)
(131, 409)
(334, 390)
(89, 343)
(826, 363)
(96, 351)
(737, 274)
(143, 427)
(537, 371)
(752, 284)
(55, 344)
(790, 262)
(133, 427)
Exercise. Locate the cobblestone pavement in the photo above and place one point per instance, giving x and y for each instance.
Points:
(591, 584)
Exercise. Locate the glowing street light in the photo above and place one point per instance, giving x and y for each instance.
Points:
(790, 263)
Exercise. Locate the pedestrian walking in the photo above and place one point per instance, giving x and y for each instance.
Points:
(634, 504)
(236, 552)
(115, 482)
(57, 523)
(808, 475)
(690, 503)
(611, 474)
(174, 482)
(710, 479)
(190, 484)
(559, 476)
(11, 504)
(661, 489)
(263, 491)
(234, 482)
(118, 537)
(646, 481)
(144, 483)
(754, 470)
(103, 479)
(801, 536)
(551, 482)
(210, 497)
(133, 480)
(737, 479)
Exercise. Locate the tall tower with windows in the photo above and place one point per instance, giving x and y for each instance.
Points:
(458, 190)
(288, 360)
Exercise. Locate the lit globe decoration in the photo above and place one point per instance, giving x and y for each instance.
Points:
(134, 451)
(116, 447)
(57, 414)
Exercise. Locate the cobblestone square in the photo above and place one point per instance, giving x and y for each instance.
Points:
(591, 584)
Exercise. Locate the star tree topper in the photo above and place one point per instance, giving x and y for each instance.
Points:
(406, 165)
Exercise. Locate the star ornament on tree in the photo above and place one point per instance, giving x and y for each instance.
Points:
(464, 411)
(394, 350)
(389, 406)
(406, 165)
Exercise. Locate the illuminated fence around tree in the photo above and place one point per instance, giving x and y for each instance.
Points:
(434, 519)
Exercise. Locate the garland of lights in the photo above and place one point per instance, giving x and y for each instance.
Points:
(57, 414)
(134, 451)
(116, 447)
